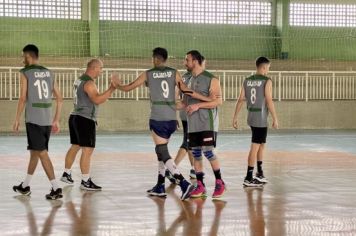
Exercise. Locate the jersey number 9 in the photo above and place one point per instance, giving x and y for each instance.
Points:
(165, 88)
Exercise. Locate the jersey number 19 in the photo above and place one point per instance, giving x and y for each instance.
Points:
(42, 88)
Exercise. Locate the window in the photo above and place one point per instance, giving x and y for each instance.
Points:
(63, 9)
(322, 15)
(189, 11)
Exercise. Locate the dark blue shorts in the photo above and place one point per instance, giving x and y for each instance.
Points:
(163, 129)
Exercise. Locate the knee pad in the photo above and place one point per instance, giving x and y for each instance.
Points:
(197, 154)
(209, 153)
(162, 153)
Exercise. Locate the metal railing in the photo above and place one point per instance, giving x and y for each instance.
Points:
(287, 85)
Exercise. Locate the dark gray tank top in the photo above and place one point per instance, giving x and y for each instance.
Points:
(203, 119)
(40, 82)
(256, 101)
(83, 106)
(161, 82)
(185, 78)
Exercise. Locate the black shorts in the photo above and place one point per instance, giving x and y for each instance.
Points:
(37, 137)
(82, 131)
(259, 134)
(204, 138)
(185, 135)
(163, 129)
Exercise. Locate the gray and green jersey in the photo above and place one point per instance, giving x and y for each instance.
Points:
(203, 119)
(40, 82)
(83, 106)
(161, 82)
(254, 87)
(185, 78)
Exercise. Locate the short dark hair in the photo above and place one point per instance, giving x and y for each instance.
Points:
(262, 60)
(196, 55)
(32, 49)
(160, 53)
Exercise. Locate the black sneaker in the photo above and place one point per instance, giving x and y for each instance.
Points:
(157, 190)
(67, 178)
(252, 183)
(53, 195)
(24, 191)
(260, 177)
(89, 185)
(187, 189)
(170, 177)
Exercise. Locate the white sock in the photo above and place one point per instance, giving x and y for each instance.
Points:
(161, 168)
(85, 177)
(27, 180)
(68, 171)
(172, 167)
(55, 185)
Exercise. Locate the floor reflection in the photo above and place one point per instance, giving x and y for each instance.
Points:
(31, 218)
(190, 218)
(254, 198)
(83, 219)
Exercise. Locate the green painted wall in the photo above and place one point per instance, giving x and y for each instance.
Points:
(322, 43)
(134, 39)
(54, 37)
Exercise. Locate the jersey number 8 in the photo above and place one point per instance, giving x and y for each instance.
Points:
(253, 95)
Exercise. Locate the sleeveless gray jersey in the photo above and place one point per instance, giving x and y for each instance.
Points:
(185, 78)
(203, 119)
(256, 101)
(83, 106)
(161, 82)
(40, 82)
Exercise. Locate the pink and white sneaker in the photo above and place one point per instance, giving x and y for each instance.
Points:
(219, 189)
(199, 190)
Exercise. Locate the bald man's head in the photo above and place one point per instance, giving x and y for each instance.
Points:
(94, 68)
(94, 62)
